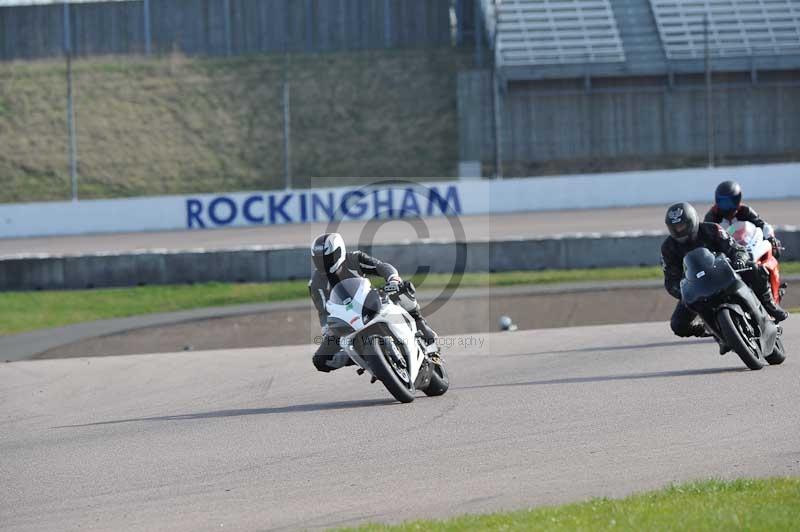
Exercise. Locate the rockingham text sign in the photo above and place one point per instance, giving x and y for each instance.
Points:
(395, 200)
(381, 202)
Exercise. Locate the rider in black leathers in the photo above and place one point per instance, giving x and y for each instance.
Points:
(332, 263)
(687, 234)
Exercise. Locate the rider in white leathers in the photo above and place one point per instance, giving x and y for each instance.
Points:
(332, 263)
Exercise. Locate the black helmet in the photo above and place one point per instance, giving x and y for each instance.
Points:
(682, 222)
(328, 252)
(728, 197)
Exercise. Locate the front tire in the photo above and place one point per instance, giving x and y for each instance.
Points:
(384, 369)
(778, 355)
(440, 381)
(732, 330)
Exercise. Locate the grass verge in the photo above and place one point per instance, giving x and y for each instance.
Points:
(27, 311)
(769, 505)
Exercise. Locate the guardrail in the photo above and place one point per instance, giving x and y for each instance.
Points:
(265, 264)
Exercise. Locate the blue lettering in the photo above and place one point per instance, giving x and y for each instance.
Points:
(380, 204)
(434, 198)
(194, 209)
(276, 208)
(409, 207)
(327, 209)
(348, 203)
(303, 207)
(248, 213)
(214, 215)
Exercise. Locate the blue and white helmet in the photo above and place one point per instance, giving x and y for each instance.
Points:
(328, 252)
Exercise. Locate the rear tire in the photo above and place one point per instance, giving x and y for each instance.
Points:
(440, 381)
(382, 369)
(778, 355)
(735, 338)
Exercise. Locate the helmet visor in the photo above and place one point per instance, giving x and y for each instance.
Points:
(324, 262)
(727, 203)
(680, 230)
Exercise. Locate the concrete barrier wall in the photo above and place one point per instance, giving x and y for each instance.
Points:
(280, 264)
(393, 200)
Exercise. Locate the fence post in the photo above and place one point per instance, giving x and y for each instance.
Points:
(147, 35)
(387, 23)
(287, 147)
(226, 6)
(287, 117)
(478, 31)
(73, 145)
(309, 13)
(497, 92)
(709, 95)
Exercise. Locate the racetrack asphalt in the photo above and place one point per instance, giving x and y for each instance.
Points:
(495, 227)
(256, 439)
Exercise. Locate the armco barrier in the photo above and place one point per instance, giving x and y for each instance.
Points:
(262, 264)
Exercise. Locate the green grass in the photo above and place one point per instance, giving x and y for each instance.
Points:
(27, 311)
(176, 125)
(771, 505)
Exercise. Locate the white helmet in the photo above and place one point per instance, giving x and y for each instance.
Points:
(328, 252)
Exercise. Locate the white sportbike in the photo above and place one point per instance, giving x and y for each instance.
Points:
(381, 338)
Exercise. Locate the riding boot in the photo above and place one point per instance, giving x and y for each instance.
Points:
(773, 309)
(764, 293)
(422, 326)
(699, 330)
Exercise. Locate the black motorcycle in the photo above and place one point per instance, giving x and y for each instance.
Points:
(730, 309)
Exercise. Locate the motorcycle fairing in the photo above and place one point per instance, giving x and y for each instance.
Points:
(768, 331)
(346, 301)
(752, 238)
(705, 275)
(404, 330)
(352, 301)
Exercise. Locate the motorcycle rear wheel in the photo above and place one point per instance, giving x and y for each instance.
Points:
(778, 355)
(736, 338)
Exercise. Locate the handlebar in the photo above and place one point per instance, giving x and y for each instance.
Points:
(403, 288)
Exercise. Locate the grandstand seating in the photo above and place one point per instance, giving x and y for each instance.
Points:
(736, 28)
(553, 32)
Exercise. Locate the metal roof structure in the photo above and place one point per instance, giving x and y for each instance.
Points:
(557, 32)
(551, 39)
(735, 29)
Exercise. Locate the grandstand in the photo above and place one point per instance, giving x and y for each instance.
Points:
(543, 33)
(735, 29)
(566, 38)
(599, 84)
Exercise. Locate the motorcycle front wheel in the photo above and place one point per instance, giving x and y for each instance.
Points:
(778, 355)
(390, 371)
(734, 331)
(440, 381)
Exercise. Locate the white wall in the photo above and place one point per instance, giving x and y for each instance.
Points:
(463, 197)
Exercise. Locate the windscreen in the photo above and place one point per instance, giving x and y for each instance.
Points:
(346, 290)
(705, 275)
(744, 233)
